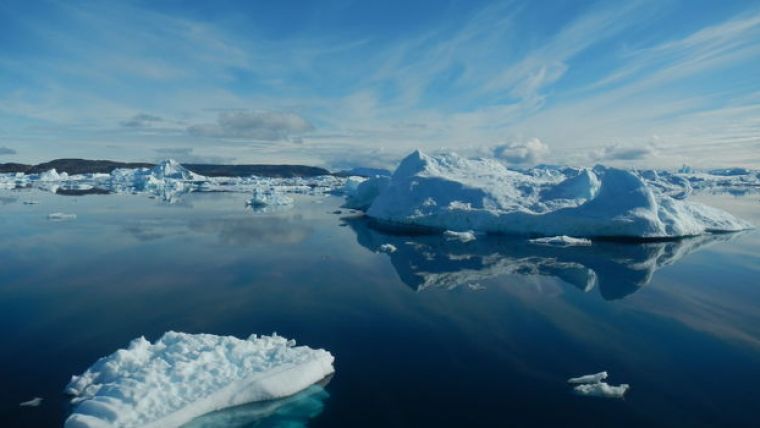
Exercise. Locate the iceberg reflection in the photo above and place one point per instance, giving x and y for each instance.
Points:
(617, 269)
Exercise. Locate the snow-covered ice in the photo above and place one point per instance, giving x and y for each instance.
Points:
(34, 402)
(182, 376)
(59, 216)
(447, 191)
(594, 385)
(562, 240)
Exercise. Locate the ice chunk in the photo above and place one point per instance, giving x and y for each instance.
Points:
(602, 389)
(182, 376)
(562, 241)
(269, 198)
(592, 378)
(360, 195)
(593, 385)
(388, 248)
(447, 191)
(34, 402)
(465, 236)
(58, 216)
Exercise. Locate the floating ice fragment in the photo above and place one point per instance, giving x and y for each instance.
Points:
(182, 376)
(388, 248)
(465, 236)
(58, 216)
(601, 389)
(34, 402)
(561, 241)
(593, 385)
(592, 378)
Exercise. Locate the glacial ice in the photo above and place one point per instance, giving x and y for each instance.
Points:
(182, 376)
(269, 197)
(449, 192)
(465, 236)
(594, 385)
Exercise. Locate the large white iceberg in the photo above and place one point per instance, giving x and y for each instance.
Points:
(447, 191)
(182, 376)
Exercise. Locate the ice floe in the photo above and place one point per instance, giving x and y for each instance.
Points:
(59, 216)
(465, 236)
(388, 248)
(182, 376)
(34, 402)
(562, 241)
(269, 197)
(594, 385)
(449, 192)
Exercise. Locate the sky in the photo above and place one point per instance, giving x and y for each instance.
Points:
(342, 83)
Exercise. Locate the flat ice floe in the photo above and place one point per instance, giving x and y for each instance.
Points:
(58, 216)
(182, 376)
(561, 241)
(449, 192)
(594, 385)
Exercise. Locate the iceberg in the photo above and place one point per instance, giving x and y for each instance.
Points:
(465, 236)
(182, 376)
(592, 378)
(449, 192)
(388, 248)
(269, 197)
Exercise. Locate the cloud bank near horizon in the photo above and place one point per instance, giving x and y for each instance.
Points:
(355, 83)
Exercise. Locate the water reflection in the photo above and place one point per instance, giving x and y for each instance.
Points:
(616, 269)
(294, 411)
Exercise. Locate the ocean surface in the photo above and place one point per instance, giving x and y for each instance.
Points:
(437, 333)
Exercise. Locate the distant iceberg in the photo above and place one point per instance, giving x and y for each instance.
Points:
(562, 241)
(182, 376)
(449, 192)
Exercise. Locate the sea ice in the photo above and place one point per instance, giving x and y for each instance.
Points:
(602, 389)
(182, 376)
(466, 236)
(594, 385)
(269, 198)
(58, 216)
(34, 402)
(388, 248)
(562, 241)
(447, 191)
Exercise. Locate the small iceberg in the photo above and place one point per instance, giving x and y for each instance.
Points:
(561, 241)
(269, 198)
(183, 376)
(593, 385)
(59, 216)
(34, 402)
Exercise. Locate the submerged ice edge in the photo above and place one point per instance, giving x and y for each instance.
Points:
(182, 376)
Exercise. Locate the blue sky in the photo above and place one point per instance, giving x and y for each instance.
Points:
(337, 83)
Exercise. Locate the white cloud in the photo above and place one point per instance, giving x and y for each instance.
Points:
(256, 125)
(7, 151)
(141, 120)
(626, 153)
(524, 152)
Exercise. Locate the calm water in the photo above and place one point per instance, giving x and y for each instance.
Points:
(439, 333)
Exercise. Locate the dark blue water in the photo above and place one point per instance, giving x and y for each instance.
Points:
(439, 333)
